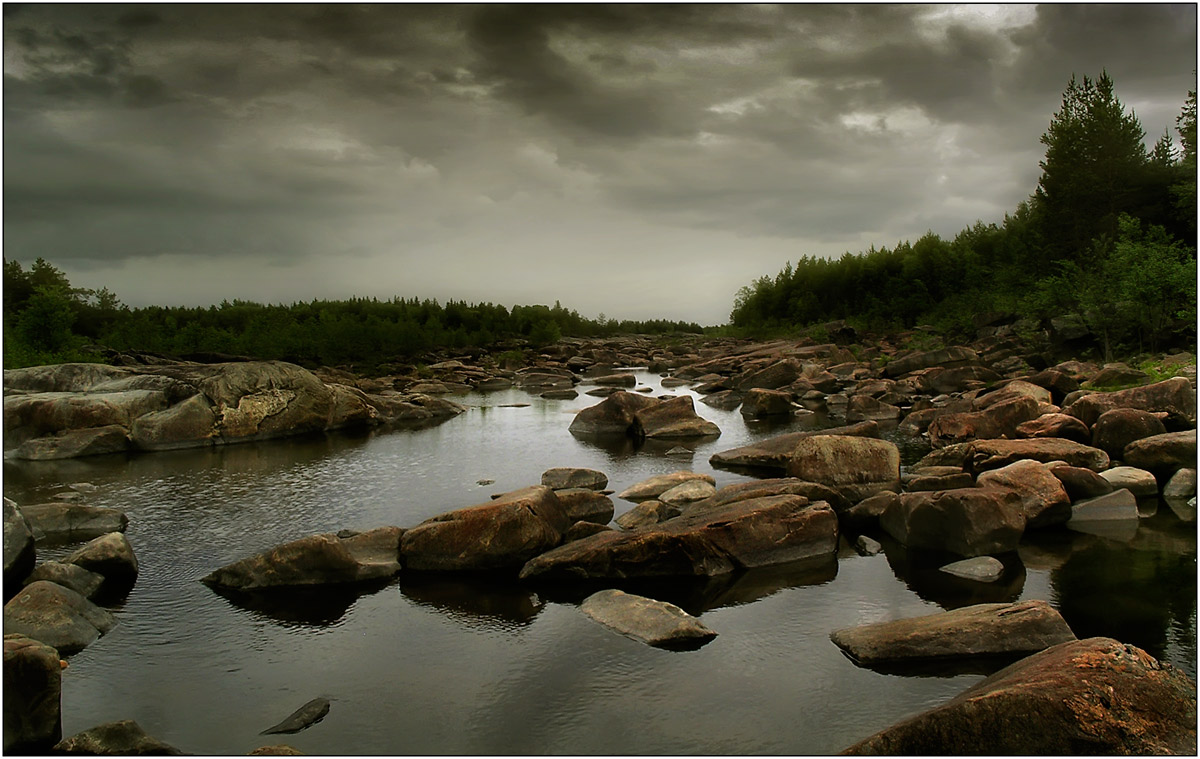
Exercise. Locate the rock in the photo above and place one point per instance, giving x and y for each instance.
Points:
(661, 483)
(324, 559)
(32, 696)
(867, 546)
(279, 749)
(1119, 427)
(502, 534)
(726, 400)
(864, 515)
(681, 452)
(1163, 453)
(192, 423)
(703, 542)
(979, 569)
(613, 416)
(959, 479)
(565, 394)
(687, 492)
(71, 576)
(1056, 425)
(968, 522)
(1044, 500)
(1092, 696)
(953, 356)
(760, 403)
(1060, 384)
(309, 714)
(1181, 485)
(993, 454)
(110, 556)
(1080, 483)
(581, 504)
(1116, 374)
(645, 514)
(56, 616)
(1119, 505)
(775, 452)
(996, 421)
(672, 419)
(777, 375)
(1137, 481)
(1174, 396)
(19, 552)
(864, 407)
(68, 444)
(857, 467)
(959, 378)
(124, 738)
(62, 522)
(613, 380)
(656, 623)
(561, 478)
(46, 414)
(1010, 391)
(741, 491)
(582, 529)
(980, 630)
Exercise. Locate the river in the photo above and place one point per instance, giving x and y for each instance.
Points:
(446, 666)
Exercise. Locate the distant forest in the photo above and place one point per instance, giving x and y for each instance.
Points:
(1108, 238)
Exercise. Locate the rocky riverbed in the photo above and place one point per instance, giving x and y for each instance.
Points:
(1017, 446)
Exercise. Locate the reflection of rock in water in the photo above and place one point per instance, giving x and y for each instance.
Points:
(301, 607)
(477, 600)
(1183, 508)
(974, 665)
(921, 572)
(698, 595)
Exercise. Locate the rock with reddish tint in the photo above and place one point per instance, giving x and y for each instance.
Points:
(864, 515)
(996, 421)
(561, 478)
(1081, 483)
(1174, 396)
(502, 534)
(708, 542)
(1058, 383)
(1013, 390)
(1092, 696)
(655, 486)
(124, 738)
(582, 529)
(954, 356)
(1163, 454)
(1043, 498)
(759, 403)
(1119, 427)
(647, 513)
(925, 482)
(960, 378)
(980, 630)
(967, 522)
(982, 455)
(672, 419)
(32, 695)
(772, 377)
(611, 417)
(741, 491)
(864, 407)
(1056, 425)
(581, 504)
(857, 467)
(316, 560)
(775, 452)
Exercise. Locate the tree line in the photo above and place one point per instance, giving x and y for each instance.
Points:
(1108, 237)
(46, 320)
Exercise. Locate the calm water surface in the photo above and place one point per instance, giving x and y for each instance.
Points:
(451, 666)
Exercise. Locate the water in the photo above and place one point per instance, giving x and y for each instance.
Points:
(454, 666)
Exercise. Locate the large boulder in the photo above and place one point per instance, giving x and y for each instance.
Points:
(56, 616)
(995, 421)
(671, 419)
(857, 467)
(1163, 454)
(561, 478)
(191, 423)
(982, 455)
(967, 521)
(1092, 696)
(46, 414)
(75, 443)
(315, 560)
(582, 504)
(1012, 391)
(110, 556)
(65, 522)
(656, 623)
(612, 416)
(124, 738)
(760, 403)
(32, 695)
(1119, 427)
(1175, 396)
(774, 453)
(772, 377)
(953, 356)
(942, 380)
(1044, 500)
(1079, 482)
(1056, 425)
(19, 552)
(502, 534)
(980, 630)
(702, 542)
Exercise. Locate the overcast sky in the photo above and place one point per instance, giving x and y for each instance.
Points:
(640, 161)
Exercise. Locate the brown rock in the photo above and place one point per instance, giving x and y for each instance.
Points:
(982, 455)
(1056, 425)
(1163, 453)
(998, 420)
(1044, 500)
(1119, 427)
(774, 453)
(32, 695)
(855, 466)
(315, 560)
(968, 522)
(1174, 396)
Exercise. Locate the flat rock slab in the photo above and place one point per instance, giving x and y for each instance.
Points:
(309, 714)
(656, 623)
(775, 452)
(661, 483)
(980, 630)
(1088, 697)
(982, 455)
(980, 569)
(1137, 481)
(563, 477)
(62, 522)
(1119, 505)
(325, 559)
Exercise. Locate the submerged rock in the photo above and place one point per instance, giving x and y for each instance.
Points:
(656, 623)
(979, 569)
(315, 560)
(309, 714)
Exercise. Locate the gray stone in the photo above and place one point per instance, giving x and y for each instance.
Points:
(1137, 481)
(980, 569)
(325, 559)
(645, 514)
(1119, 505)
(659, 484)
(1181, 485)
(110, 556)
(56, 616)
(867, 546)
(78, 579)
(687, 492)
(62, 522)
(656, 623)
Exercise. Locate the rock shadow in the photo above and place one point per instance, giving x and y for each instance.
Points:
(477, 599)
(320, 606)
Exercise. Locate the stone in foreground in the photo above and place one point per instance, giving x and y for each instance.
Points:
(32, 691)
(980, 630)
(857, 467)
(124, 738)
(656, 623)
(315, 560)
(1092, 696)
(56, 616)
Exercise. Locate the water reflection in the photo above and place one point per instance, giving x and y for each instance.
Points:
(944, 668)
(477, 600)
(921, 572)
(302, 607)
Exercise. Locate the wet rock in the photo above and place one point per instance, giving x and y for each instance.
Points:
(726, 400)
(75, 443)
(325, 559)
(864, 515)
(76, 578)
(968, 522)
(645, 514)
(502, 534)
(1137, 481)
(1119, 427)
(56, 616)
(1119, 505)
(707, 542)
(979, 569)
(110, 556)
(1056, 425)
(857, 467)
(993, 454)
(760, 403)
(867, 546)
(1080, 483)
(191, 423)
(920, 483)
(1181, 485)
(560, 478)
(687, 492)
(672, 419)
(661, 483)
(32, 695)
(581, 504)
(953, 356)
(309, 714)
(1044, 500)
(19, 552)
(566, 394)
(996, 421)
(62, 522)
(124, 738)
(772, 377)
(864, 407)
(979, 630)
(1163, 453)
(775, 452)
(614, 416)
(656, 623)
(583, 529)
(742, 491)
(1174, 396)
(1093, 696)
(613, 380)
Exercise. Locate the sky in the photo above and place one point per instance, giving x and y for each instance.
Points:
(635, 161)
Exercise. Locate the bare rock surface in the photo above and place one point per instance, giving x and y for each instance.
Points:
(124, 738)
(968, 521)
(656, 623)
(32, 695)
(774, 453)
(857, 467)
(56, 616)
(315, 560)
(64, 522)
